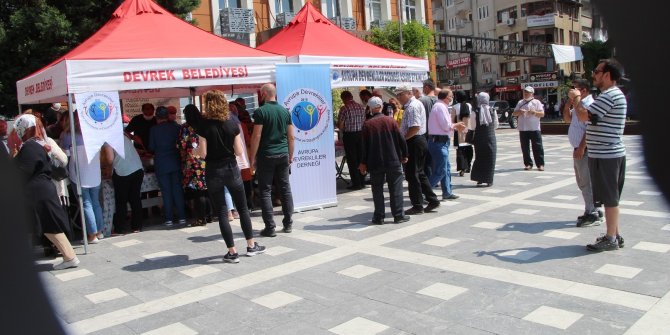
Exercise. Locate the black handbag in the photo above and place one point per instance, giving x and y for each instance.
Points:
(58, 171)
(470, 136)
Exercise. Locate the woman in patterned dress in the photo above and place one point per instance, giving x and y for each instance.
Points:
(193, 167)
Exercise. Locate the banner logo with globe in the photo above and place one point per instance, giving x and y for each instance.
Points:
(100, 110)
(310, 114)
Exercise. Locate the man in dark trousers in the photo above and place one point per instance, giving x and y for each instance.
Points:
(272, 147)
(384, 150)
(350, 121)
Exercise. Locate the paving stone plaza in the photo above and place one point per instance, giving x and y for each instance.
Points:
(507, 259)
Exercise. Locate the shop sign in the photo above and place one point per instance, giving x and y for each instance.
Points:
(461, 87)
(541, 84)
(543, 76)
(458, 62)
(513, 81)
(540, 20)
(508, 88)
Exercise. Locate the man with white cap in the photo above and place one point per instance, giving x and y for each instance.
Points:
(383, 151)
(413, 128)
(529, 111)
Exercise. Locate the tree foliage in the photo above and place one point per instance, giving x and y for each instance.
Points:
(594, 51)
(33, 33)
(417, 38)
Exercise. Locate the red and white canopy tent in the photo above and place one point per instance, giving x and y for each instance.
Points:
(145, 51)
(310, 38)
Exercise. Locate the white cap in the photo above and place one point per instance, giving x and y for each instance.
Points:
(56, 106)
(529, 89)
(375, 102)
(403, 88)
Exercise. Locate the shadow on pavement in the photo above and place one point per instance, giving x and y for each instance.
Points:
(536, 254)
(171, 262)
(536, 227)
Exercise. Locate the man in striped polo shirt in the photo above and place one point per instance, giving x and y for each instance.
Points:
(606, 118)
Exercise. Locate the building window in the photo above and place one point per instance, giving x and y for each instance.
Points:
(375, 10)
(507, 13)
(410, 10)
(450, 3)
(537, 8)
(283, 6)
(230, 4)
(451, 23)
(332, 8)
(482, 12)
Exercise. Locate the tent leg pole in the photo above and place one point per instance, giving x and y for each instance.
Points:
(76, 167)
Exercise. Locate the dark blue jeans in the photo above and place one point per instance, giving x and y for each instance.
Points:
(393, 178)
(269, 169)
(227, 175)
(535, 139)
(173, 194)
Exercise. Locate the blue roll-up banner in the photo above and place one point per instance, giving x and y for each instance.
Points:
(304, 89)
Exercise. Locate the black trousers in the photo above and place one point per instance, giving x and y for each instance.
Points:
(535, 139)
(220, 175)
(352, 149)
(393, 177)
(417, 181)
(127, 189)
(271, 169)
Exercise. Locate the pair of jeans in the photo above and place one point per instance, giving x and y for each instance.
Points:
(352, 150)
(127, 189)
(173, 195)
(222, 175)
(90, 196)
(439, 152)
(417, 181)
(393, 178)
(535, 139)
(229, 198)
(271, 169)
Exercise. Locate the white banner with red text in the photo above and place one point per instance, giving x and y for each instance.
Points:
(77, 76)
(304, 89)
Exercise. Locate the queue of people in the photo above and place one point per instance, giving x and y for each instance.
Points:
(198, 163)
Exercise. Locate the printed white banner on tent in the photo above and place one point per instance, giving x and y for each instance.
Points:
(100, 121)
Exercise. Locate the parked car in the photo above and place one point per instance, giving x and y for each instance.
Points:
(504, 112)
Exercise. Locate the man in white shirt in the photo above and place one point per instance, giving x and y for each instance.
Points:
(577, 137)
(529, 111)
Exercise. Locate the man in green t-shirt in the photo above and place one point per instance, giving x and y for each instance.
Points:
(272, 151)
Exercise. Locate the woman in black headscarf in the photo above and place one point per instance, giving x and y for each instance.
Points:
(486, 121)
(464, 151)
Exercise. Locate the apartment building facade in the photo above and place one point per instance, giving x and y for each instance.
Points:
(564, 22)
(253, 21)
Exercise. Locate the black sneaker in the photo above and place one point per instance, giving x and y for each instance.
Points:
(256, 250)
(414, 211)
(619, 240)
(287, 229)
(588, 220)
(401, 219)
(450, 197)
(603, 244)
(432, 206)
(268, 232)
(377, 221)
(231, 258)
